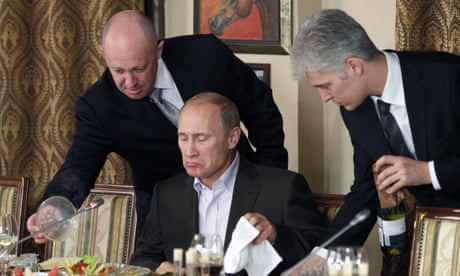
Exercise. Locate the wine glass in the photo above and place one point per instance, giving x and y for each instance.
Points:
(333, 261)
(347, 260)
(198, 242)
(215, 249)
(314, 269)
(361, 264)
(53, 210)
(8, 236)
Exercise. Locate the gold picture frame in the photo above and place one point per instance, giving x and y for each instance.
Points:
(273, 35)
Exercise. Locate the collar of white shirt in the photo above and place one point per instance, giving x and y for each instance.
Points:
(228, 177)
(165, 82)
(393, 91)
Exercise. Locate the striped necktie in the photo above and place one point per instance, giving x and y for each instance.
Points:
(392, 130)
(166, 107)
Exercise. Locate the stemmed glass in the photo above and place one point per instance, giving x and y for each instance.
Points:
(198, 242)
(347, 260)
(215, 249)
(361, 264)
(8, 236)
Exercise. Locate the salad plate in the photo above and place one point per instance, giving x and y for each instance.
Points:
(109, 268)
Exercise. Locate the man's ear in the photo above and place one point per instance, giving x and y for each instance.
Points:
(159, 48)
(234, 137)
(355, 65)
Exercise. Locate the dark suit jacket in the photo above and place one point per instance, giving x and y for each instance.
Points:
(108, 121)
(432, 91)
(282, 196)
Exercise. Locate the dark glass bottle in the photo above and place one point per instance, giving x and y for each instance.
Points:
(392, 229)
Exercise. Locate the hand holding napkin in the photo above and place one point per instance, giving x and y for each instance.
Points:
(257, 259)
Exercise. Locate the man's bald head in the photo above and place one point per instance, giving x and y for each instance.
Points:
(129, 22)
(131, 50)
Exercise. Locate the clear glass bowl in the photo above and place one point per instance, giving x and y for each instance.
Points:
(52, 210)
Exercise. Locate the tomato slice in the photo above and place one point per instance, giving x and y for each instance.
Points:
(54, 271)
(18, 271)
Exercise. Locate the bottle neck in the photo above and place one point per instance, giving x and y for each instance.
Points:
(384, 212)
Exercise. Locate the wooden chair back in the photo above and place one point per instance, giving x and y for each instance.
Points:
(107, 232)
(13, 200)
(329, 204)
(436, 242)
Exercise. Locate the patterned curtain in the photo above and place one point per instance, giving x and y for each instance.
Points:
(49, 54)
(428, 25)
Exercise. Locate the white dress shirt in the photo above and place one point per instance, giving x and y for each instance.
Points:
(214, 204)
(393, 94)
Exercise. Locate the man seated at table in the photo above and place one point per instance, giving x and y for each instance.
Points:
(219, 187)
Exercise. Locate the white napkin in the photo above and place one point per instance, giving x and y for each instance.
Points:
(257, 260)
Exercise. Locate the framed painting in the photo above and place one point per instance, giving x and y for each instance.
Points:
(262, 71)
(258, 27)
(155, 9)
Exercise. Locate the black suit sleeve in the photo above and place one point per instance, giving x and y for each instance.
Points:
(303, 224)
(446, 152)
(362, 195)
(84, 159)
(150, 248)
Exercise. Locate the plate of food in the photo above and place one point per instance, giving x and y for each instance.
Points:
(54, 262)
(89, 265)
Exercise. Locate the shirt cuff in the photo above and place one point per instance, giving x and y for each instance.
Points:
(434, 178)
(319, 251)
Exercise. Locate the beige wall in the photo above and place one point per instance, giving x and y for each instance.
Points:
(317, 142)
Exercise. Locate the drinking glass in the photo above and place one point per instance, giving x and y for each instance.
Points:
(347, 260)
(53, 210)
(314, 270)
(194, 256)
(198, 242)
(215, 249)
(361, 264)
(27, 262)
(8, 236)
